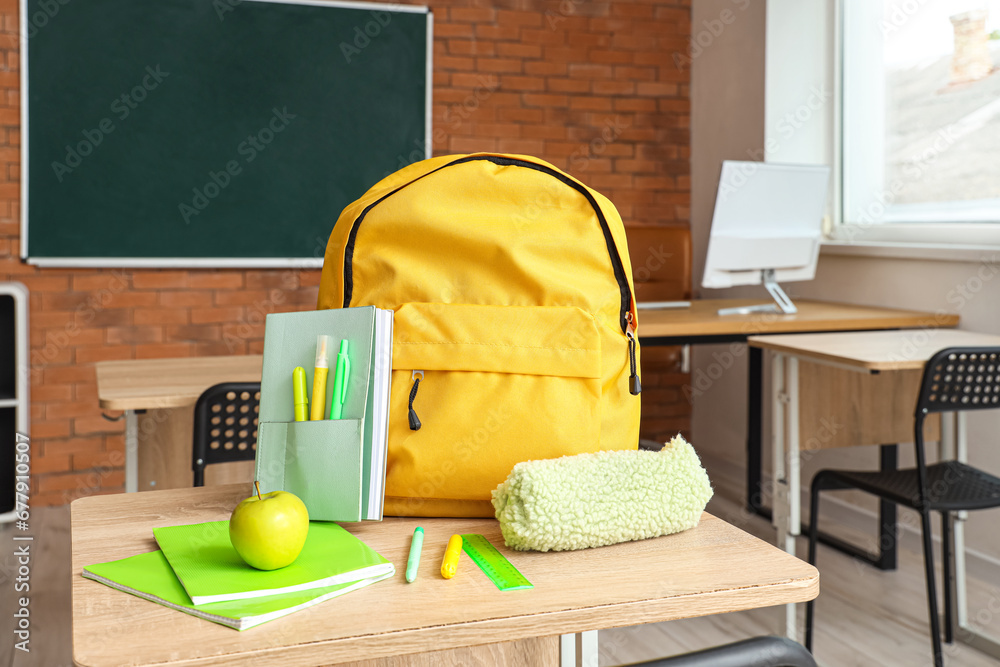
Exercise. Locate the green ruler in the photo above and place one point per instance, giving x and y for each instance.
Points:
(492, 562)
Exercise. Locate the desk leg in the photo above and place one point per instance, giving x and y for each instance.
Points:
(755, 464)
(578, 650)
(886, 560)
(131, 452)
(779, 514)
(786, 517)
(888, 527)
(954, 429)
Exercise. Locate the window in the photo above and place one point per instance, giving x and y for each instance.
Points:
(921, 120)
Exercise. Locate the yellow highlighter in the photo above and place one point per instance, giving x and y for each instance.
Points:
(449, 566)
(319, 378)
(299, 394)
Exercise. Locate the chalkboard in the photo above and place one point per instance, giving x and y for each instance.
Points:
(212, 132)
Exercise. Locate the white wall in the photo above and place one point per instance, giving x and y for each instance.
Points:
(729, 122)
(727, 102)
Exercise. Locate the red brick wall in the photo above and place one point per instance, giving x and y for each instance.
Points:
(590, 86)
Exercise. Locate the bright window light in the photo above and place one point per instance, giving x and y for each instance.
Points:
(921, 111)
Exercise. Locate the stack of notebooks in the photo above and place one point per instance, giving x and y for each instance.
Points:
(198, 571)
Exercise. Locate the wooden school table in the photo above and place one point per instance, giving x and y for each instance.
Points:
(701, 324)
(166, 390)
(712, 569)
(157, 455)
(867, 383)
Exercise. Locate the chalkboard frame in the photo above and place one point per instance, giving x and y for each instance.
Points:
(304, 262)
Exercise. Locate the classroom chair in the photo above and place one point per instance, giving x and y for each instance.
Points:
(756, 652)
(225, 426)
(955, 380)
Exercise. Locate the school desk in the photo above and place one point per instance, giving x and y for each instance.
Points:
(164, 392)
(864, 386)
(701, 324)
(158, 451)
(712, 569)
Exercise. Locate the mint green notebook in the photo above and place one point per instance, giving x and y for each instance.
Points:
(210, 570)
(149, 576)
(337, 467)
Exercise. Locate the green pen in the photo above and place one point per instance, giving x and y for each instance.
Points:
(343, 373)
(413, 562)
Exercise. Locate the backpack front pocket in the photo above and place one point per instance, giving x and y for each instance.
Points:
(497, 385)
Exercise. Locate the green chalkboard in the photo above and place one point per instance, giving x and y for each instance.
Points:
(201, 132)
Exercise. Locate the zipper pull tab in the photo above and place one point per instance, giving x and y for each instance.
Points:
(634, 386)
(414, 420)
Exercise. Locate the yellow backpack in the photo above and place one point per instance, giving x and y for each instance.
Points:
(514, 329)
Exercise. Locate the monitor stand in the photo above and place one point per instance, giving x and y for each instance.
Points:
(782, 303)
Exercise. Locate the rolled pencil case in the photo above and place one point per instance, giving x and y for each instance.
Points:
(593, 500)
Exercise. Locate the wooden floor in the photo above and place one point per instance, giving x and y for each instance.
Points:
(864, 617)
(49, 594)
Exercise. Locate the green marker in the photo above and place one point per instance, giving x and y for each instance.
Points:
(413, 562)
(340, 382)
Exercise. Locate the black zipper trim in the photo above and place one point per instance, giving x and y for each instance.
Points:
(616, 262)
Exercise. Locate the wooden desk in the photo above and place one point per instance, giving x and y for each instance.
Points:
(167, 390)
(701, 323)
(874, 351)
(868, 382)
(712, 569)
(148, 384)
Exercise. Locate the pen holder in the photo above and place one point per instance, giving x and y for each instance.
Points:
(319, 461)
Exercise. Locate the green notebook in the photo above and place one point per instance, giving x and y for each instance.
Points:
(149, 576)
(211, 571)
(337, 467)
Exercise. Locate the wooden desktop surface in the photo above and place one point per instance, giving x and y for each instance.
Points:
(712, 569)
(874, 350)
(702, 319)
(147, 384)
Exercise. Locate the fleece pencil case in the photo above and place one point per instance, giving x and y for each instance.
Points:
(602, 498)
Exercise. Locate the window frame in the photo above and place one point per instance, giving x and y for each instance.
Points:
(859, 231)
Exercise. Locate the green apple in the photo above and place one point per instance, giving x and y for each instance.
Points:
(268, 531)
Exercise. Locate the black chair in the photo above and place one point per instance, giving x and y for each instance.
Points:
(225, 426)
(756, 652)
(954, 380)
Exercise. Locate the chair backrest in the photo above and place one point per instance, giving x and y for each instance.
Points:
(955, 379)
(225, 426)
(960, 378)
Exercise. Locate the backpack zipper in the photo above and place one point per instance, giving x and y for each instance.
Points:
(414, 420)
(616, 262)
(634, 386)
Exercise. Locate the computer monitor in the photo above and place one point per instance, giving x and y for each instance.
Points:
(767, 227)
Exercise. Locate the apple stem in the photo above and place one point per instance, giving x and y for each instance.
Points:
(257, 486)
